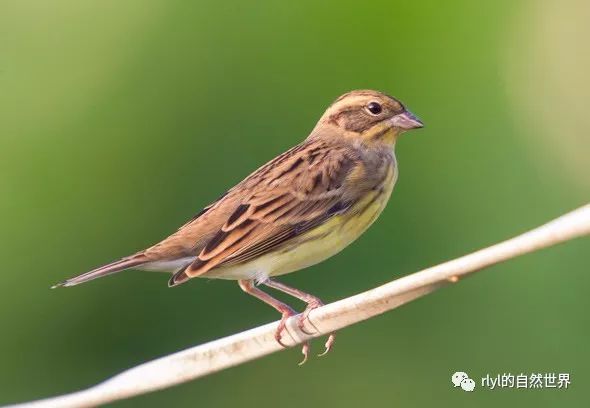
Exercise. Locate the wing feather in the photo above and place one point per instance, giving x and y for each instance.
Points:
(284, 202)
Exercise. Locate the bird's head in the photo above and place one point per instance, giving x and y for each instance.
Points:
(367, 116)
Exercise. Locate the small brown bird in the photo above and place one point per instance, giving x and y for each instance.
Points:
(297, 210)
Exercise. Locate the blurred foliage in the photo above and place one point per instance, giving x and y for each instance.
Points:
(119, 120)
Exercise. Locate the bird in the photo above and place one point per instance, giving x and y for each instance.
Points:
(295, 211)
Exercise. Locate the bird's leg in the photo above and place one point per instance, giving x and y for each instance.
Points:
(313, 302)
(286, 310)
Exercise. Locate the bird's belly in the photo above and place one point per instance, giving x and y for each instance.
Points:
(316, 245)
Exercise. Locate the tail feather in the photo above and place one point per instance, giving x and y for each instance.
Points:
(104, 270)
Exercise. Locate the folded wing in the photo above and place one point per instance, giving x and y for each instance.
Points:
(280, 201)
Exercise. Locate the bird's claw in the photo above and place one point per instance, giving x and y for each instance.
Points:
(286, 314)
(282, 326)
(329, 344)
(305, 351)
(314, 304)
(301, 324)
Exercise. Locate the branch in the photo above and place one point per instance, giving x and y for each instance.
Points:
(230, 351)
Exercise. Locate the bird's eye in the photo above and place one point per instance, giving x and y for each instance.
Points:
(374, 108)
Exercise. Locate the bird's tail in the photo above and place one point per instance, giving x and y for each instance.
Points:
(113, 267)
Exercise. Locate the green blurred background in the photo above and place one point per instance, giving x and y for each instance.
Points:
(121, 119)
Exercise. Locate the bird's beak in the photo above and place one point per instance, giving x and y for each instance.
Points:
(406, 121)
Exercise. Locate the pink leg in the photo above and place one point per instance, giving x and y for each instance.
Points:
(312, 301)
(286, 311)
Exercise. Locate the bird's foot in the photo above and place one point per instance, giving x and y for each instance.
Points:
(283, 326)
(311, 305)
